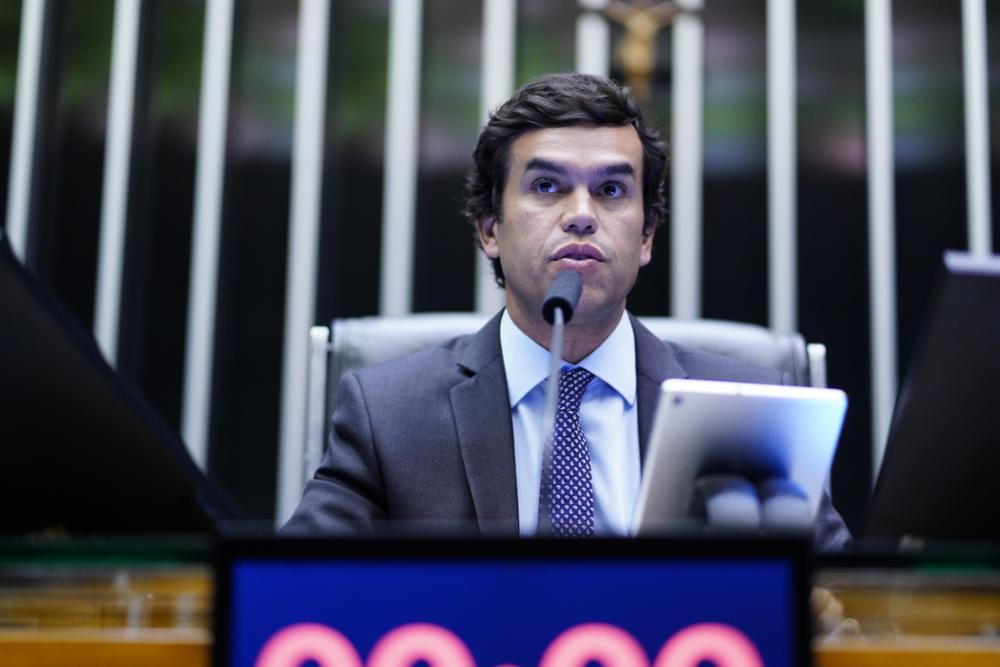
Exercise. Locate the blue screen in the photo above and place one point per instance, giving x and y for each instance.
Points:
(508, 612)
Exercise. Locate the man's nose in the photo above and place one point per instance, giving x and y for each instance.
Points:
(580, 217)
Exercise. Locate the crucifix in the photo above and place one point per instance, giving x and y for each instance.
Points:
(642, 20)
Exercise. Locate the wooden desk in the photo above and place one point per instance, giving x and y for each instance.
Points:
(93, 611)
(159, 647)
(908, 652)
(921, 618)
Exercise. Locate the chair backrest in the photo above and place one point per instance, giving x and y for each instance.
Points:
(364, 341)
(353, 343)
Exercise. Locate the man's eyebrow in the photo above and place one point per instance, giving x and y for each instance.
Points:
(541, 164)
(615, 169)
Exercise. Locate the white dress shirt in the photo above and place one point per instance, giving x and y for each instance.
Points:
(607, 415)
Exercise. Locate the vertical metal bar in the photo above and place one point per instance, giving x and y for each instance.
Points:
(117, 158)
(593, 39)
(686, 173)
(316, 417)
(303, 246)
(881, 221)
(781, 97)
(977, 129)
(499, 39)
(29, 57)
(202, 297)
(401, 132)
(816, 355)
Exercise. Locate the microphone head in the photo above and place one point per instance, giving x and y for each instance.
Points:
(564, 293)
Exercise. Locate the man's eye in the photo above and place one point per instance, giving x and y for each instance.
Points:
(613, 190)
(544, 186)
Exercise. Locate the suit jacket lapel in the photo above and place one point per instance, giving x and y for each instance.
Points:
(481, 408)
(655, 362)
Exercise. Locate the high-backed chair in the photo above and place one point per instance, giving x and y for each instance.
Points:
(353, 343)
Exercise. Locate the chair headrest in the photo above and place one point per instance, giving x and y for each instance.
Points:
(365, 341)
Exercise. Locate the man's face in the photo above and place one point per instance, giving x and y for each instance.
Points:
(572, 200)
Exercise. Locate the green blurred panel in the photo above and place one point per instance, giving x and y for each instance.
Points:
(10, 39)
(450, 78)
(735, 94)
(546, 38)
(86, 32)
(830, 80)
(177, 48)
(357, 79)
(928, 92)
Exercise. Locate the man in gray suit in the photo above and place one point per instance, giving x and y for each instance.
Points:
(565, 176)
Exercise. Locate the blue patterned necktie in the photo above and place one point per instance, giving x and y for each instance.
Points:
(566, 480)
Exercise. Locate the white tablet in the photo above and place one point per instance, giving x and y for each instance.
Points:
(754, 430)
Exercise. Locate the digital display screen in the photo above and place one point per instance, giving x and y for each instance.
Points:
(492, 612)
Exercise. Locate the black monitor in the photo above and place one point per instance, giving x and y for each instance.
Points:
(941, 467)
(82, 452)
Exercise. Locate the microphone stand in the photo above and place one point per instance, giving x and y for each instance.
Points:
(552, 384)
(549, 417)
(560, 302)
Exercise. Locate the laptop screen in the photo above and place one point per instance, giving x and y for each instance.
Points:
(939, 475)
(83, 452)
(619, 602)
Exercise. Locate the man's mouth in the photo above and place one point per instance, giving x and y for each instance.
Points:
(578, 252)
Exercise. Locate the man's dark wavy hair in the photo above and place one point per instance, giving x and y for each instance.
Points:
(560, 100)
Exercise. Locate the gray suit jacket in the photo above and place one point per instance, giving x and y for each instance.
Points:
(427, 440)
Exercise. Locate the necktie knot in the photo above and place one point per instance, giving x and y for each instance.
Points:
(572, 383)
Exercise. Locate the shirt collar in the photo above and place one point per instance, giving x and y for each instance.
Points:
(526, 363)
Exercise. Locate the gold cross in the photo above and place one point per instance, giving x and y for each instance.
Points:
(636, 52)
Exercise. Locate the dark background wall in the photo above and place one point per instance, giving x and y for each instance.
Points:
(832, 187)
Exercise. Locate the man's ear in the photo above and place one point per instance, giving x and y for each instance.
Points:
(646, 252)
(487, 236)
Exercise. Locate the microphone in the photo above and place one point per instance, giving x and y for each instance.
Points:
(564, 294)
(557, 309)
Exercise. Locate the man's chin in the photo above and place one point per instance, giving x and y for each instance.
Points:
(593, 311)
